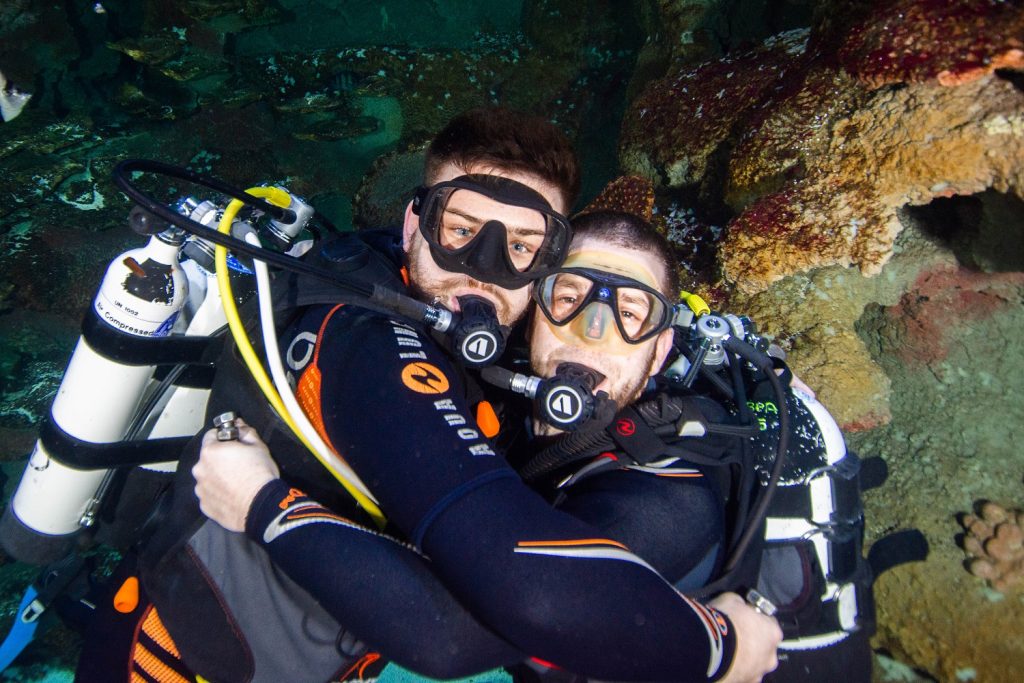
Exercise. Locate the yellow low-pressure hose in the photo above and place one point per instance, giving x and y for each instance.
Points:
(277, 197)
(696, 304)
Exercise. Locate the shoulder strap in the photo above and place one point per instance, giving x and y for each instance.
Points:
(368, 257)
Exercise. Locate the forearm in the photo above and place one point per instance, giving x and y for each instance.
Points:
(543, 581)
(379, 588)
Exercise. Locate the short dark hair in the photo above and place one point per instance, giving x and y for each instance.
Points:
(510, 141)
(628, 231)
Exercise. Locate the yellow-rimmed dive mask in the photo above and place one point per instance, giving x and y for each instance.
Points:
(594, 302)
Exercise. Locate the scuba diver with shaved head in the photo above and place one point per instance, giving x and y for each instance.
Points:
(600, 310)
(386, 396)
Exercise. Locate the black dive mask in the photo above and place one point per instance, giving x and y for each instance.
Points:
(460, 221)
(577, 294)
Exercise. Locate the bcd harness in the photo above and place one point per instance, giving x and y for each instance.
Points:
(813, 528)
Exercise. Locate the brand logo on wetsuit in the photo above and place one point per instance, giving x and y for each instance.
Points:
(479, 347)
(424, 378)
(625, 427)
(564, 404)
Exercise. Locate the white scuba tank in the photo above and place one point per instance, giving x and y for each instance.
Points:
(182, 412)
(142, 294)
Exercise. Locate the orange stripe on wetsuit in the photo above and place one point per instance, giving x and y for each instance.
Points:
(155, 657)
(309, 394)
(308, 390)
(574, 542)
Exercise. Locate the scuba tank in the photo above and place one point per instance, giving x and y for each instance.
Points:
(136, 390)
(145, 294)
(141, 295)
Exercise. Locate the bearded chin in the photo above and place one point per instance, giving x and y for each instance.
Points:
(623, 393)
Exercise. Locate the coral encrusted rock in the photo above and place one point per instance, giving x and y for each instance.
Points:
(953, 42)
(819, 143)
(628, 194)
(816, 138)
(901, 146)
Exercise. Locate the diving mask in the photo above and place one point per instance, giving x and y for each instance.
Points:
(593, 300)
(492, 228)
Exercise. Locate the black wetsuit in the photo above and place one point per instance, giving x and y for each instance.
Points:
(554, 586)
(390, 402)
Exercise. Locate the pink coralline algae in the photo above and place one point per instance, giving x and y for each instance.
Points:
(626, 194)
(941, 301)
(679, 121)
(994, 544)
(949, 41)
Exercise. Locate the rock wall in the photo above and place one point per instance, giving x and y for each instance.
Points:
(815, 141)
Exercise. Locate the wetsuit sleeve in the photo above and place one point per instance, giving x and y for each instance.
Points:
(392, 406)
(378, 587)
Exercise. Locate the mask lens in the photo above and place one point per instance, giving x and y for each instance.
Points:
(594, 298)
(639, 311)
(563, 294)
(461, 215)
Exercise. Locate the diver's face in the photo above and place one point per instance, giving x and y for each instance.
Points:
(590, 340)
(432, 283)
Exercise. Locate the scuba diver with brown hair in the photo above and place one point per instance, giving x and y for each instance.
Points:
(487, 224)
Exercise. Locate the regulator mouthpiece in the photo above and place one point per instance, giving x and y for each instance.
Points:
(567, 400)
(477, 337)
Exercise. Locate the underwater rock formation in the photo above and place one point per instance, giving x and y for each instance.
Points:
(815, 161)
(815, 156)
(387, 188)
(945, 336)
(820, 165)
(994, 544)
(626, 194)
(952, 42)
(903, 146)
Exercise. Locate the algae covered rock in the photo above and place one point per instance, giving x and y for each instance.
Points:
(816, 156)
(904, 146)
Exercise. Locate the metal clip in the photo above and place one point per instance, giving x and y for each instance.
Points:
(225, 426)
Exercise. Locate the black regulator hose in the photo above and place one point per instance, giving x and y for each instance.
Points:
(582, 443)
(762, 362)
(660, 414)
(393, 300)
